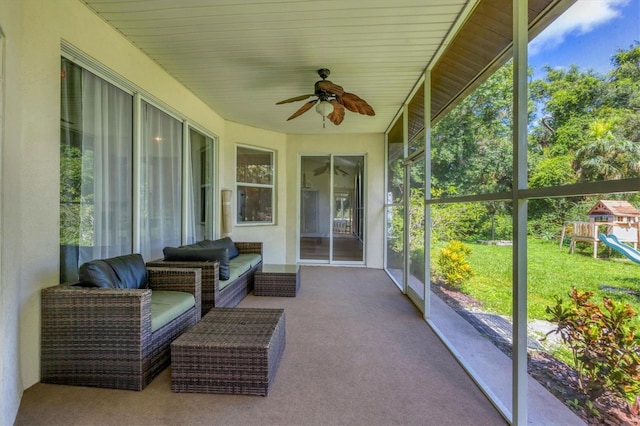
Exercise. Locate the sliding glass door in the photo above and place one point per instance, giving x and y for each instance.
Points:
(332, 209)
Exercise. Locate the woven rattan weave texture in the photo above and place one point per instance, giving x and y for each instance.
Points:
(281, 284)
(102, 337)
(212, 295)
(231, 350)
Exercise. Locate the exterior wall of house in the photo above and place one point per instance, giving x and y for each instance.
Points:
(10, 190)
(273, 244)
(32, 31)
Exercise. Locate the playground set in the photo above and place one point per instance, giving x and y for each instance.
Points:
(613, 223)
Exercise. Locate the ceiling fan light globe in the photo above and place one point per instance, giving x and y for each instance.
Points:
(324, 108)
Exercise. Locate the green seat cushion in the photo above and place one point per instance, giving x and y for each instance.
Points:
(167, 306)
(234, 272)
(239, 265)
(252, 258)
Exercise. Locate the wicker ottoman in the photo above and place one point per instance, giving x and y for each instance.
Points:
(231, 350)
(277, 280)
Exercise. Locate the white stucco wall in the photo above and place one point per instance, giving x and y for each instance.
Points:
(32, 31)
(274, 247)
(10, 245)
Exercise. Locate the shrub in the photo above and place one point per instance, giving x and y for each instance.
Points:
(500, 227)
(604, 344)
(457, 221)
(452, 263)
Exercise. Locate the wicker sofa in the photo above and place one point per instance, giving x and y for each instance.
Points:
(218, 292)
(113, 329)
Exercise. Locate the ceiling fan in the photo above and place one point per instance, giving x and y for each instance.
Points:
(332, 101)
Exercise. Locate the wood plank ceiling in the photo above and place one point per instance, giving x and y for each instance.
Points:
(241, 57)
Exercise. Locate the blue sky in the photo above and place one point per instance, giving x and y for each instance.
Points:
(588, 35)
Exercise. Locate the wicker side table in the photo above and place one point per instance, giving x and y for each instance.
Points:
(277, 280)
(231, 350)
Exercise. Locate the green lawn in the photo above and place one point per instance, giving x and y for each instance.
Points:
(552, 271)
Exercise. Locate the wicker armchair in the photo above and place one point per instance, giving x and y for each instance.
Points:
(103, 337)
(212, 295)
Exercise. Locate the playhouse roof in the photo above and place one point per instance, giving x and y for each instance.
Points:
(615, 208)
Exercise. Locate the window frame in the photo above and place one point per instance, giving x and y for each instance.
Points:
(272, 186)
(211, 155)
(81, 59)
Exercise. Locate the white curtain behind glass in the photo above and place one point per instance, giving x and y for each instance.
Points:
(105, 211)
(200, 187)
(160, 192)
(192, 216)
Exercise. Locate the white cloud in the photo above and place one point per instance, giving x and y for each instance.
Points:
(584, 16)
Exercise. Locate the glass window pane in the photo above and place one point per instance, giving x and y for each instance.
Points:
(254, 166)
(315, 211)
(416, 225)
(471, 284)
(472, 148)
(585, 86)
(348, 208)
(161, 177)
(95, 170)
(589, 243)
(395, 172)
(395, 243)
(418, 142)
(416, 121)
(255, 196)
(254, 204)
(583, 129)
(395, 255)
(200, 224)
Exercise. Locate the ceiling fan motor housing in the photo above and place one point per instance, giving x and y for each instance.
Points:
(324, 73)
(322, 94)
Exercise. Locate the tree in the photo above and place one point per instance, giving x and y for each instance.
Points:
(472, 148)
(606, 156)
(565, 94)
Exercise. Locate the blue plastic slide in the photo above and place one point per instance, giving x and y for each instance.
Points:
(612, 242)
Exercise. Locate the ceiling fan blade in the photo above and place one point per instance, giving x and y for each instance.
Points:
(342, 172)
(355, 103)
(320, 170)
(295, 99)
(306, 107)
(337, 115)
(329, 87)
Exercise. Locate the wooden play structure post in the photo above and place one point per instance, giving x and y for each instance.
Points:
(611, 217)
